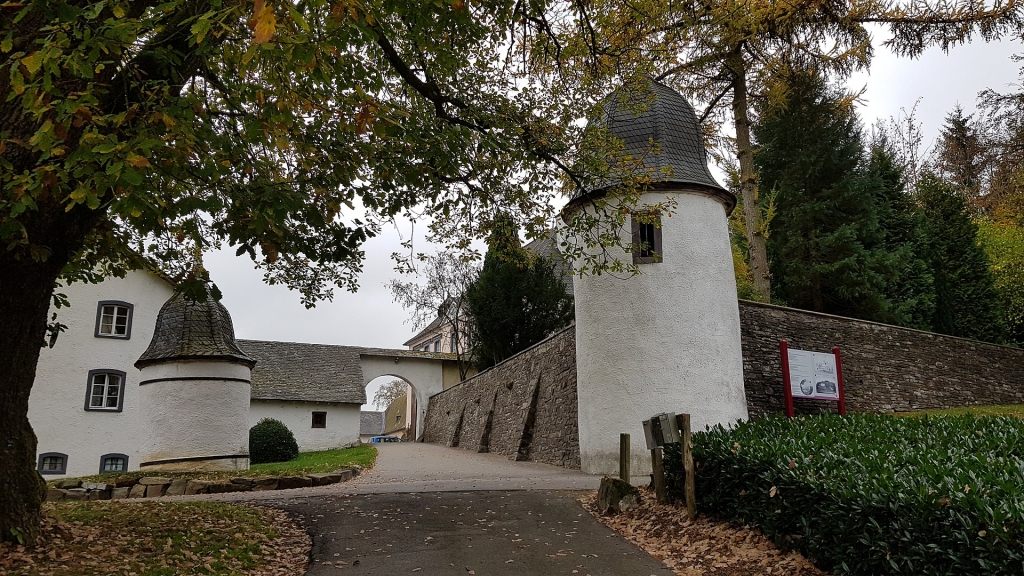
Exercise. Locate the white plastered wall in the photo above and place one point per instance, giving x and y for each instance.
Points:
(426, 376)
(667, 340)
(57, 403)
(342, 422)
(206, 414)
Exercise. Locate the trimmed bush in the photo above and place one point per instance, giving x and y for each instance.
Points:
(872, 494)
(271, 441)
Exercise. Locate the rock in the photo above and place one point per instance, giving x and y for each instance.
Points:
(127, 481)
(197, 487)
(76, 494)
(119, 493)
(98, 495)
(243, 481)
(265, 484)
(345, 474)
(289, 482)
(55, 494)
(177, 487)
(153, 480)
(137, 491)
(614, 496)
(155, 490)
(324, 479)
(223, 487)
(96, 485)
(69, 483)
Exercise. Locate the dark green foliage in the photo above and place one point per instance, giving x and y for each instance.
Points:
(910, 291)
(517, 301)
(967, 303)
(271, 441)
(825, 245)
(873, 494)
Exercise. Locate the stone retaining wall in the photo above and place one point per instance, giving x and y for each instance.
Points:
(885, 368)
(524, 408)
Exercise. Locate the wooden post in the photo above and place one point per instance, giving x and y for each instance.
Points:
(787, 389)
(686, 442)
(624, 457)
(658, 466)
(839, 379)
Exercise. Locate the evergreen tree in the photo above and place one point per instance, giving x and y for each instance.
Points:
(961, 153)
(966, 300)
(826, 245)
(910, 291)
(517, 301)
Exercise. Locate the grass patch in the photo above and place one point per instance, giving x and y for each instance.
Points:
(154, 539)
(870, 494)
(1013, 410)
(305, 463)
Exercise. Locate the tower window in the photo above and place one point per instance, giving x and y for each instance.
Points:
(319, 419)
(114, 319)
(647, 240)
(105, 390)
(113, 463)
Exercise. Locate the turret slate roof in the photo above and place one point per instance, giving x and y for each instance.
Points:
(667, 119)
(193, 330)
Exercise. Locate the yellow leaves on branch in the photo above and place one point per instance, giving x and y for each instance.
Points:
(263, 22)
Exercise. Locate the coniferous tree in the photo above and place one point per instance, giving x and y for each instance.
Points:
(826, 243)
(517, 301)
(966, 302)
(911, 292)
(961, 153)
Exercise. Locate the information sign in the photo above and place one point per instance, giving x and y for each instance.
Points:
(814, 375)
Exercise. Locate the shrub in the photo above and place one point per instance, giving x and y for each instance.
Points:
(271, 441)
(872, 494)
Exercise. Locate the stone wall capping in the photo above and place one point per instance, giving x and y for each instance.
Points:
(150, 480)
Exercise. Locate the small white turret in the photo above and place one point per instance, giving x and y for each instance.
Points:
(668, 339)
(194, 390)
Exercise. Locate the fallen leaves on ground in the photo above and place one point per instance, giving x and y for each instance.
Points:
(94, 538)
(703, 546)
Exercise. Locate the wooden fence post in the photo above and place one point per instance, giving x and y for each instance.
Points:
(687, 446)
(624, 457)
(658, 465)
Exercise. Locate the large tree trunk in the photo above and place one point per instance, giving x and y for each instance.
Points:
(748, 181)
(26, 287)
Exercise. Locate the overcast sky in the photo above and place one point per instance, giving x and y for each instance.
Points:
(369, 317)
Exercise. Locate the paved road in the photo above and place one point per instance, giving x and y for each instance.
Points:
(429, 509)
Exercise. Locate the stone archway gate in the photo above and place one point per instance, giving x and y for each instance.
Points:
(427, 372)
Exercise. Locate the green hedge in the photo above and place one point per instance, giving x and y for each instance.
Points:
(271, 441)
(872, 494)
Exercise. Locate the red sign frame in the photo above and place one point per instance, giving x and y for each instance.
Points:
(786, 385)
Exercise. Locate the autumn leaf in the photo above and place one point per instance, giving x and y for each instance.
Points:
(137, 161)
(264, 23)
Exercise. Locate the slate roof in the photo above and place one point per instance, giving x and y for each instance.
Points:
(433, 327)
(187, 330)
(302, 372)
(371, 423)
(547, 248)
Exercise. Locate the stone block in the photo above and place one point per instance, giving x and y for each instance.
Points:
(177, 487)
(96, 486)
(120, 493)
(76, 494)
(197, 487)
(55, 494)
(127, 481)
(261, 484)
(615, 495)
(155, 490)
(345, 474)
(154, 480)
(137, 491)
(98, 495)
(289, 482)
(243, 481)
(69, 483)
(324, 479)
(224, 487)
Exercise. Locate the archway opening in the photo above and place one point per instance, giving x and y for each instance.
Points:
(390, 408)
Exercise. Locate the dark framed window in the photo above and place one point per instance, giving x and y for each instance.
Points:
(114, 319)
(105, 391)
(646, 240)
(113, 463)
(53, 463)
(437, 345)
(319, 419)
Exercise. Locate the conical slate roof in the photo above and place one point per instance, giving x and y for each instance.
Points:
(667, 119)
(187, 330)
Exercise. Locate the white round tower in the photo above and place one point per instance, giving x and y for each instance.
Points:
(667, 339)
(194, 390)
